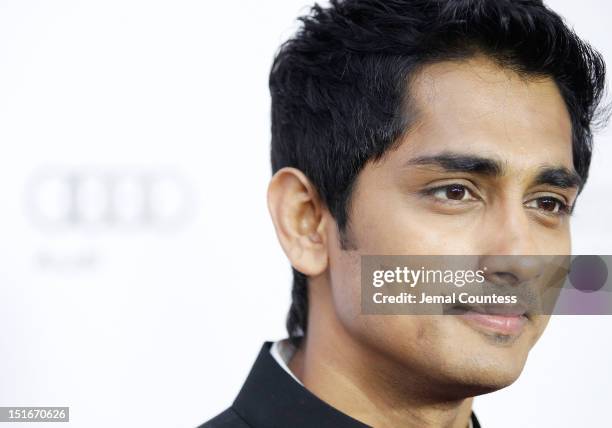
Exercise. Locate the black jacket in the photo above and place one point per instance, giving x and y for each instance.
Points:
(271, 398)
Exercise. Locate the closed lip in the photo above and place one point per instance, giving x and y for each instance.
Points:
(509, 310)
(515, 310)
(506, 320)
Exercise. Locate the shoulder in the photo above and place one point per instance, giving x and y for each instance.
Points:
(227, 419)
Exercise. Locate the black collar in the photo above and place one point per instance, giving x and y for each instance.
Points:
(270, 397)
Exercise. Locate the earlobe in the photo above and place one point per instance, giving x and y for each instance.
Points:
(298, 216)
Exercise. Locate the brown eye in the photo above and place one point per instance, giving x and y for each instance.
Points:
(451, 192)
(455, 192)
(548, 204)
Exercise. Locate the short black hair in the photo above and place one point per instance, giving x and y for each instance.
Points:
(339, 85)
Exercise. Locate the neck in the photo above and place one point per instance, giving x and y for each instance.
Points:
(363, 383)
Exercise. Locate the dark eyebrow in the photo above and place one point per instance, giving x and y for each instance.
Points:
(557, 176)
(454, 162)
(560, 177)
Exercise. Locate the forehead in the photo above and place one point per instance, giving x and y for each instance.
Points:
(479, 107)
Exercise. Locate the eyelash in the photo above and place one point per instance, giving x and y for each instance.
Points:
(562, 208)
(432, 191)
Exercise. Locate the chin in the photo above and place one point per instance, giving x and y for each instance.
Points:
(470, 364)
(492, 377)
(474, 377)
(448, 358)
(481, 370)
(487, 360)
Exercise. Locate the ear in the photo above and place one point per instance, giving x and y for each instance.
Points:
(299, 219)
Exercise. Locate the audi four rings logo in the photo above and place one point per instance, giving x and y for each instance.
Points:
(108, 198)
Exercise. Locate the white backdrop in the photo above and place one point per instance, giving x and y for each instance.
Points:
(139, 271)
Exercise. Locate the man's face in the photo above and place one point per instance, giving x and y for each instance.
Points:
(467, 179)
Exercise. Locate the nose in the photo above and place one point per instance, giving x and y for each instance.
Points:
(510, 251)
(510, 270)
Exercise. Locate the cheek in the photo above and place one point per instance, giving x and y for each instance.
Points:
(345, 279)
(345, 289)
(389, 225)
(564, 242)
(380, 331)
(552, 241)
